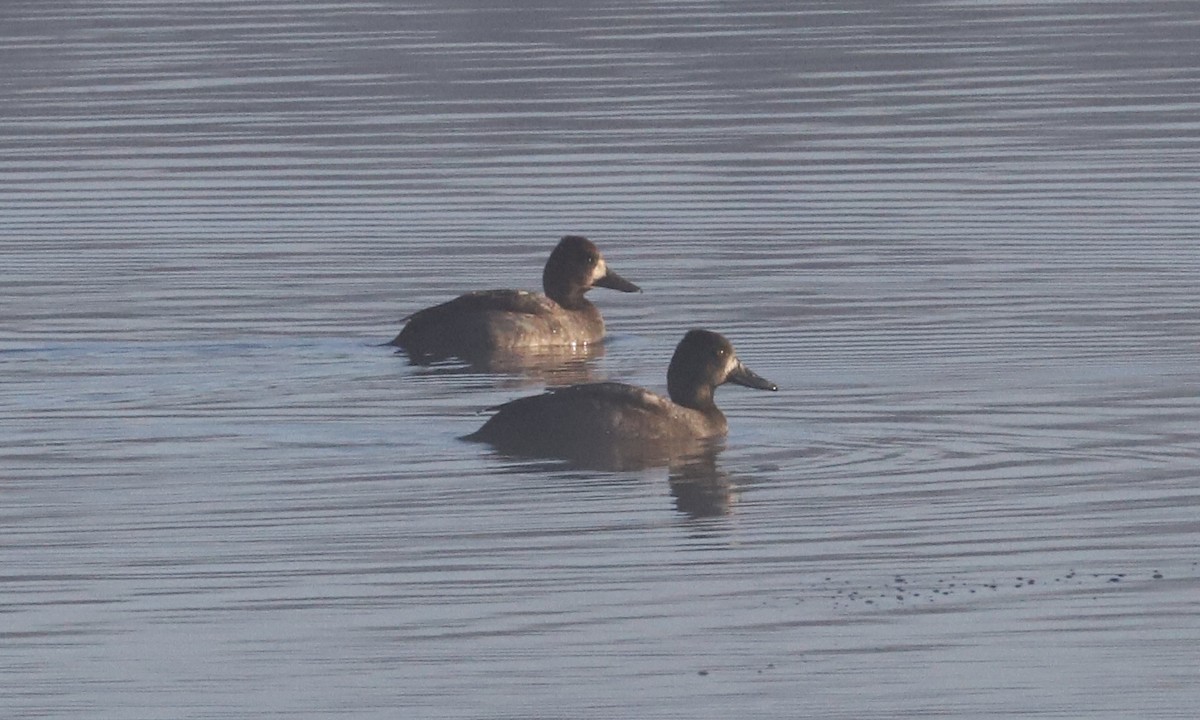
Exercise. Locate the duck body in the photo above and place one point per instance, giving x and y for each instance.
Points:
(598, 422)
(619, 425)
(487, 322)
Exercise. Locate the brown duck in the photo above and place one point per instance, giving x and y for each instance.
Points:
(487, 322)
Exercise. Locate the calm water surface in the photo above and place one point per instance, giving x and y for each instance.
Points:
(961, 237)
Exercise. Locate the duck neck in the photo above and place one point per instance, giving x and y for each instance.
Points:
(690, 395)
(565, 294)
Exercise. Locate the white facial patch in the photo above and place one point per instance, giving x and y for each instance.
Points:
(731, 364)
(599, 271)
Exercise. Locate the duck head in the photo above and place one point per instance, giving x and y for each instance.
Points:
(704, 360)
(576, 266)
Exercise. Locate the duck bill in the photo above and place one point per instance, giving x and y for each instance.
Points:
(742, 375)
(613, 281)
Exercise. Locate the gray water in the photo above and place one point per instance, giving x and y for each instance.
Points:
(961, 237)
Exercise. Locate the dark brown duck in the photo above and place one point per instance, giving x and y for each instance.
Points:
(487, 322)
(614, 424)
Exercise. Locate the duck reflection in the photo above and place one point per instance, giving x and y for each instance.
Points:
(551, 366)
(701, 488)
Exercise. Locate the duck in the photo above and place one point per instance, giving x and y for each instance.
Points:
(488, 322)
(619, 426)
